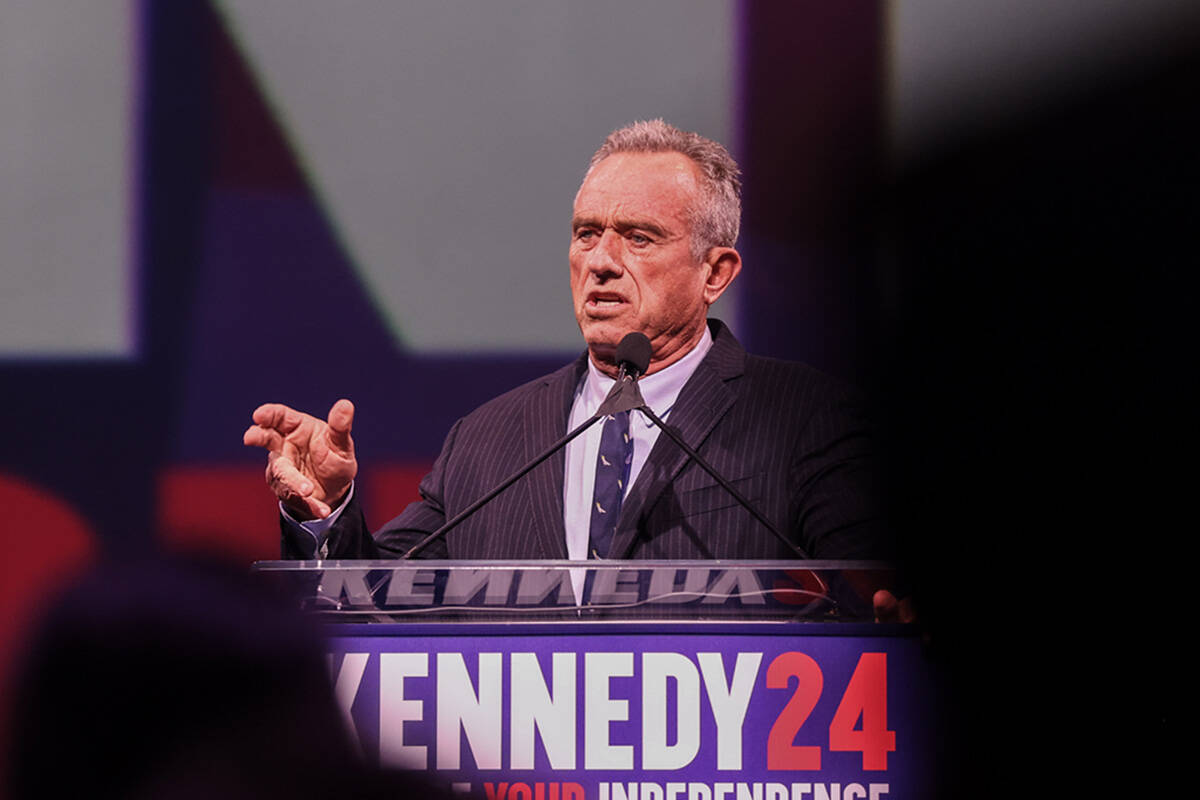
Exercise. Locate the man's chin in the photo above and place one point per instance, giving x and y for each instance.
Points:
(604, 334)
(602, 340)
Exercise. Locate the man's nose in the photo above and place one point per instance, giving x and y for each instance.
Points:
(604, 260)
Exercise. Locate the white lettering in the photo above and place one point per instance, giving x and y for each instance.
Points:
(600, 710)
(351, 582)
(531, 706)
(477, 714)
(664, 589)
(742, 583)
(463, 584)
(622, 791)
(729, 701)
(656, 669)
(749, 791)
(536, 585)
(614, 586)
(743, 791)
(345, 689)
(411, 587)
(394, 710)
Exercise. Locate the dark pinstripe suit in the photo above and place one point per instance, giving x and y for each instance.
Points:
(790, 439)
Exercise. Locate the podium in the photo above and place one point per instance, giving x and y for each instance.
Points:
(626, 680)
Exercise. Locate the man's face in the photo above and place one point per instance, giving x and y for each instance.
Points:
(632, 266)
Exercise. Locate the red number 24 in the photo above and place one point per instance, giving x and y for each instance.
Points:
(859, 724)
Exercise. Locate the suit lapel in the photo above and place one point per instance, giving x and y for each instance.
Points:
(701, 404)
(545, 421)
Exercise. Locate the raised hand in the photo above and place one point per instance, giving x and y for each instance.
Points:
(310, 462)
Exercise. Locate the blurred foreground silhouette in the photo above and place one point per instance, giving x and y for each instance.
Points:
(171, 678)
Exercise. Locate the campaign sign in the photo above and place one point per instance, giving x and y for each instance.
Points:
(648, 711)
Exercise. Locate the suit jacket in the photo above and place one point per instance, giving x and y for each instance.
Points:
(791, 439)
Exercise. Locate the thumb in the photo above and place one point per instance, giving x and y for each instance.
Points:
(340, 421)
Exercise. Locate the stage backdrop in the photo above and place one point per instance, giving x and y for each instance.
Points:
(210, 205)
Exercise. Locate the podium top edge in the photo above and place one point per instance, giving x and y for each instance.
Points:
(787, 564)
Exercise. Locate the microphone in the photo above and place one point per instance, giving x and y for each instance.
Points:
(633, 358)
(633, 354)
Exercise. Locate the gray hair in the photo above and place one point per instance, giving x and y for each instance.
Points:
(716, 221)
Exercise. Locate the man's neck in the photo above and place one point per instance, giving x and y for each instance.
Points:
(658, 390)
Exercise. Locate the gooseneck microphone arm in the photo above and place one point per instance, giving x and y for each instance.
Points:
(746, 504)
(634, 353)
(633, 356)
(481, 502)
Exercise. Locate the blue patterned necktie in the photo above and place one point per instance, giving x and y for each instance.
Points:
(612, 473)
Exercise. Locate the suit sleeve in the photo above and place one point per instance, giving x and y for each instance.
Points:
(835, 478)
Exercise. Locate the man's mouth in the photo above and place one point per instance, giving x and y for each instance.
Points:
(600, 301)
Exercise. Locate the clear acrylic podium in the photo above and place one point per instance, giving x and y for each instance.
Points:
(463, 591)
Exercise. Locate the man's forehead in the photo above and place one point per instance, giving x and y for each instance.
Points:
(639, 183)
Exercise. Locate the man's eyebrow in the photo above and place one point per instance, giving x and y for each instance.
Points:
(620, 224)
(623, 224)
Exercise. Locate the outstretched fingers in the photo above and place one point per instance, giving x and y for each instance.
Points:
(277, 416)
(258, 436)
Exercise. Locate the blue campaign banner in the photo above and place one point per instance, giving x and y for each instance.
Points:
(646, 711)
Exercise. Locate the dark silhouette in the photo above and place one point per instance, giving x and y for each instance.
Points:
(178, 679)
(1044, 273)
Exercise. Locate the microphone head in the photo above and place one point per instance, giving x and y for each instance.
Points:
(633, 353)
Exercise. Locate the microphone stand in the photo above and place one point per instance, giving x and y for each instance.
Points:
(624, 396)
(662, 426)
(620, 397)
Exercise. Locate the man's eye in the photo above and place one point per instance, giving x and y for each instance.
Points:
(583, 234)
(638, 238)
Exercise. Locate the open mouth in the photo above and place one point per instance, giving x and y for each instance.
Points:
(604, 304)
(603, 300)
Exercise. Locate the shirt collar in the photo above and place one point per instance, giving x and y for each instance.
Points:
(658, 390)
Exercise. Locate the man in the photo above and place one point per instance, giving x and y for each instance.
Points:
(652, 248)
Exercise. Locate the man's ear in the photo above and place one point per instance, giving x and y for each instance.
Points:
(723, 264)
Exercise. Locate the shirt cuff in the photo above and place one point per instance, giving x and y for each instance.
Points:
(318, 529)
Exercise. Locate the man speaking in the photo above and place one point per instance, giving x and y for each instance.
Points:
(652, 247)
